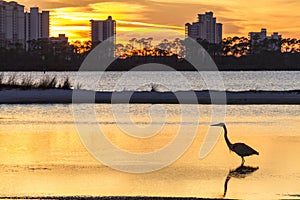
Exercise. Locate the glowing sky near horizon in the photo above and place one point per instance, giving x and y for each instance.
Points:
(238, 17)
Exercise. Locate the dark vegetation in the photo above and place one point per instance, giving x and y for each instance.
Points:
(234, 53)
(27, 83)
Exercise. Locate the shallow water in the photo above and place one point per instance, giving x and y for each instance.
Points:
(41, 153)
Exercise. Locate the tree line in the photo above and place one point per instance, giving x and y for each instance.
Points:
(43, 54)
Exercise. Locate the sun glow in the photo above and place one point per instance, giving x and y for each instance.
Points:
(76, 24)
(238, 18)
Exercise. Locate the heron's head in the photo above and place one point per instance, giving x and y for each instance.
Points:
(219, 124)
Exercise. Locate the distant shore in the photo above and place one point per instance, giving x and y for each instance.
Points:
(61, 96)
(256, 62)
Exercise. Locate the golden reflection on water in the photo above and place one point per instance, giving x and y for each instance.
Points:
(41, 154)
(138, 145)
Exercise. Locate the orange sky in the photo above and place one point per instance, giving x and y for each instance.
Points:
(238, 17)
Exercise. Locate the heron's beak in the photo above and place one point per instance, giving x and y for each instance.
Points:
(216, 125)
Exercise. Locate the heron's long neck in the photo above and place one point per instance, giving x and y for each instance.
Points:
(226, 138)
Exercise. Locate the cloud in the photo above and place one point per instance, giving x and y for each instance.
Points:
(45, 4)
(147, 25)
(238, 17)
(52, 5)
(232, 29)
(229, 20)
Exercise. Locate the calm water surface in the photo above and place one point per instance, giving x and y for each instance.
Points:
(41, 154)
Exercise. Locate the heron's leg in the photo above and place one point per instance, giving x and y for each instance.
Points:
(243, 160)
(226, 184)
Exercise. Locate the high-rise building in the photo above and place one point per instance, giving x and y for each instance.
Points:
(257, 37)
(102, 30)
(11, 25)
(45, 24)
(17, 28)
(36, 25)
(259, 41)
(206, 28)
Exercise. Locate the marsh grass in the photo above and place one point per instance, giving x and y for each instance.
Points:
(12, 80)
(78, 86)
(66, 84)
(28, 82)
(47, 83)
(1, 78)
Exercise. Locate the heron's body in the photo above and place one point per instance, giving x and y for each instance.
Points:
(243, 150)
(240, 149)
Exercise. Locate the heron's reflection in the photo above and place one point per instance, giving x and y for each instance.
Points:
(240, 172)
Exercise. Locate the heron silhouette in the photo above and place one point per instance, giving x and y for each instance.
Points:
(240, 172)
(240, 149)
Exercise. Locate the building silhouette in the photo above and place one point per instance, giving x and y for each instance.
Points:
(60, 39)
(206, 28)
(259, 41)
(36, 25)
(17, 27)
(101, 30)
(11, 25)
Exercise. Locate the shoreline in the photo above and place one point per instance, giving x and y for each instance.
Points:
(226, 68)
(107, 197)
(260, 61)
(61, 96)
